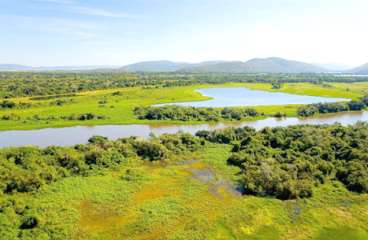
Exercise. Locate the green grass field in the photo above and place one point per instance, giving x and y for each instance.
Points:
(190, 198)
(118, 108)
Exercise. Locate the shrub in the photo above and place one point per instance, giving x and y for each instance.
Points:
(29, 222)
(307, 111)
(191, 113)
(312, 109)
(150, 150)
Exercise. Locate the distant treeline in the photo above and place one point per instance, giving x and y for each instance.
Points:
(36, 117)
(193, 114)
(313, 109)
(14, 84)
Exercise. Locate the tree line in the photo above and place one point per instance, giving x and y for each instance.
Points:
(16, 84)
(313, 109)
(194, 114)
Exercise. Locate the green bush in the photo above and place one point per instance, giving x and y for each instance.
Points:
(150, 150)
(193, 114)
(288, 162)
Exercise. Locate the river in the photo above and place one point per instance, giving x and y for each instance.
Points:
(78, 135)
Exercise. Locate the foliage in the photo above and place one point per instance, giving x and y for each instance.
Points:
(104, 190)
(288, 162)
(119, 104)
(194, 114)
(6, 104)
(27, 169)
(312, 109)
(66, 84)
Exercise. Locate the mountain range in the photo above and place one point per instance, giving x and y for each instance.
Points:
(256, 65)
(362, 70)
(17, 67)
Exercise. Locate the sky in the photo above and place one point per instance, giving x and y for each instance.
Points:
(119, 32)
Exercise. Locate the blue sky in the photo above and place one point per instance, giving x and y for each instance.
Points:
(118, 32)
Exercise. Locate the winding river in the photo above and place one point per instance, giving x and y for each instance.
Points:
(221, 97)
(80, 134)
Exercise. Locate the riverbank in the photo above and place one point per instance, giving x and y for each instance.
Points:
(115, 106)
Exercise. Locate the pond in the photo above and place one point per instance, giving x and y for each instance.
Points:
(235, 97)
(78, 135)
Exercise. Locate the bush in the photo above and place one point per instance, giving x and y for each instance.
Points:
(84, 117)
(307, 111)
(355, 176)
(287, 163)
(150, 150)
(22, 181)
(193, 114)
(7, 104)
(312, 109)
(356, 106)
(10, 117)
(29, 222)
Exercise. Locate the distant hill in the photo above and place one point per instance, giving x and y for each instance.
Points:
(220, 67)
(74, 68)
(256, 65)
(361, 70)
(154, 66)
(14, 67)
(280, 65)
(333, 67)
(259, 65)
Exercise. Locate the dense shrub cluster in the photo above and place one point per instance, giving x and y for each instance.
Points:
(36, 117)
(193, 114)
(285, 163)
(312, 109)
(288, 162)
(6, 104)
(10, 117)
(26, 169)
(84, 117)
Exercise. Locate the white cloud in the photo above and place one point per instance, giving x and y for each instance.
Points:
(57, 1)
(100, 12)
(74, 7)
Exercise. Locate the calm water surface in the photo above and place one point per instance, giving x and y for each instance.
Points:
(76, 135)
(234, 97)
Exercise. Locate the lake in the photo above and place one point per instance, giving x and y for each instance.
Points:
(235, 97)
(76, 135)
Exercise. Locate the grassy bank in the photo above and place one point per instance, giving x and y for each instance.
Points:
(115, 106)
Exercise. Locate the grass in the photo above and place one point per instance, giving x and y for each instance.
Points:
(118, 109)
(337, 90)
(175, 200)
(169, 202)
